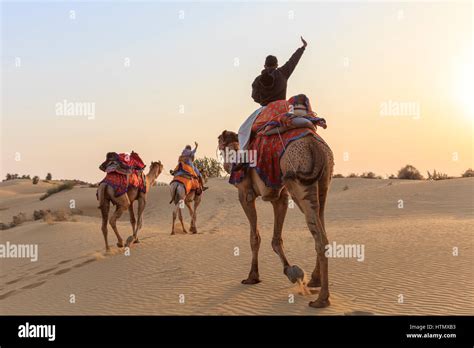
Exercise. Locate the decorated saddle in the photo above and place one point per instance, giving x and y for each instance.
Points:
(270, 148)
(123, 171)
(185, 174)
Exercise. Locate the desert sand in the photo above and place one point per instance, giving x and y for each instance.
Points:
(408, 252)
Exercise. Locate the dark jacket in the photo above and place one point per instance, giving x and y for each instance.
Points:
(271, 84)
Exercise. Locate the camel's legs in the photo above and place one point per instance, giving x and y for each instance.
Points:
(133, 221)
(175, 213)
(104, 209)
(307, 198)
(248, 204)
(180, 215)
(316, 275)
(280, 207)
(141, 208)
(197, 200)
(113, 222)
(191, 214)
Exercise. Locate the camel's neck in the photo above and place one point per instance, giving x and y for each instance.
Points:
(151, 178)
(229, 147)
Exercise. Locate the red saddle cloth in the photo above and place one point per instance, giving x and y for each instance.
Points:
(269, 149)
(124, 171)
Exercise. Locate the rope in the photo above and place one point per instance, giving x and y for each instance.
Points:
(284, 148)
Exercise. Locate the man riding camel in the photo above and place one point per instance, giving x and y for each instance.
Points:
(187, 157)
(270, 86)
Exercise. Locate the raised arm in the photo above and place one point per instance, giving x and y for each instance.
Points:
(290, 65)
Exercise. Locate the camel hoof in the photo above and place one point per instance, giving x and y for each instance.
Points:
(193, 230)
(136, 241)
(172, 233)
(250, 281)
(120, 244)
(319, 303)
(294, 273)
(314, 283)
(129, 241)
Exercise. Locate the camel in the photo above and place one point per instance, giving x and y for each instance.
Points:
(306, 167)
(179, 197)
(106, 195)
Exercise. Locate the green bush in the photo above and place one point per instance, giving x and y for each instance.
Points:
(209, 167)
(64, 186)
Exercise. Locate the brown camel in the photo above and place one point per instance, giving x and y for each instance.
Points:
(106, 195)
(180, 198)
(306, 167)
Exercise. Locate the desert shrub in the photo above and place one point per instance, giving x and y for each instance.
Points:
(370, 175)
(10, 176)
(35, 179)
(345, 188)
(49, 177)
(64, 186)
(353, 175)
(209, 167)
(468, 173)
(409, 172)
(18, 219)
(39, 214)
(437, 175)
(392, 176)
(338, 176)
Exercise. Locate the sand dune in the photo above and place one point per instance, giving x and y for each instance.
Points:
(408, 252)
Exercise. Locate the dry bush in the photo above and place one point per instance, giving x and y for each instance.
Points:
(410, 173)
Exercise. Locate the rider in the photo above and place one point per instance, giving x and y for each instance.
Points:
(187, 156)
(268, 87)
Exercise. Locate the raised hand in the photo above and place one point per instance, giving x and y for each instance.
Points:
(304, 42)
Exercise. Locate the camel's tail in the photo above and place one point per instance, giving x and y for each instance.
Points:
(100, 194)
(174, 193)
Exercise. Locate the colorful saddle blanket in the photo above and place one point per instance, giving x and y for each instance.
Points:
(123, 163)
(269, 149)
(189, 183)
(186, 175)
(124, 171)
(122, 182)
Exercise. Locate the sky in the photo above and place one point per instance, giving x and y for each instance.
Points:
(394, 80)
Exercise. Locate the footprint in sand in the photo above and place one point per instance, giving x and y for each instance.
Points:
(14, 281)
(62, 271)
(34, 285)
(64, 261)
(84, 263)
(47, 270)
(7, 294)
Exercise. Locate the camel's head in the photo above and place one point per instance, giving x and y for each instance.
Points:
(155, 169)
(228, 141)
(227, 138)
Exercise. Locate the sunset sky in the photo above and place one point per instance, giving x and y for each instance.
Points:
(190, 71)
